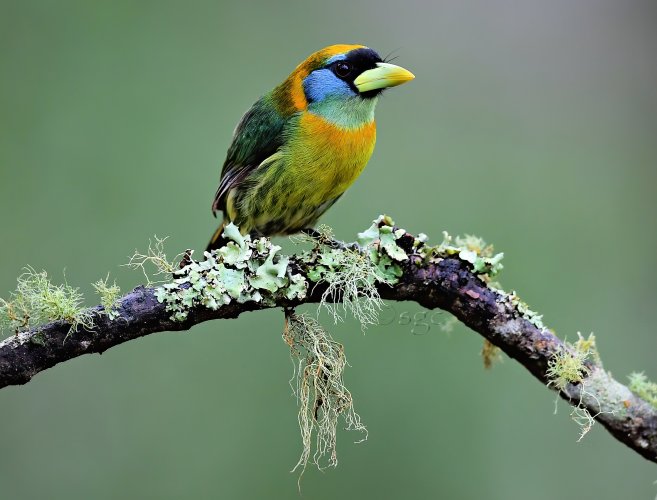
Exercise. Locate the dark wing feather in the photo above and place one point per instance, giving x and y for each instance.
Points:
(258, 135)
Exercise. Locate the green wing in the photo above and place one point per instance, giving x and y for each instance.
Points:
(258, 135)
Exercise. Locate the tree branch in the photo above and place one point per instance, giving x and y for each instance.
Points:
(449, 282)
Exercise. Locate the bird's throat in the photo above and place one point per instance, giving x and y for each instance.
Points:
(350, 113)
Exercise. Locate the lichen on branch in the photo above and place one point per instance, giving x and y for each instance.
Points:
(249, 274)
(644, 388)
(318, 384)
(244, 270)
(37, 300)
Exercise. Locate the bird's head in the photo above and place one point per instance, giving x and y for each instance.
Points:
(339, 75)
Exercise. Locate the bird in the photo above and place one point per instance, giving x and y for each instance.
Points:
(300, 146)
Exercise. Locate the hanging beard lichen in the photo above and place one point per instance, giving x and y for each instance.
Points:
(318, 385)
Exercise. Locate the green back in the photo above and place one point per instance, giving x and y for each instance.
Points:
(258, 135)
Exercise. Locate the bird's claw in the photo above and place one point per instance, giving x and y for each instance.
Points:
(330, 242)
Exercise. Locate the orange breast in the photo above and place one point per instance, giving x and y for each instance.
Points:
(330, 155)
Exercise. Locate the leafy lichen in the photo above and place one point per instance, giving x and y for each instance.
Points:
(248, 269)
(352, 273)
(523, 309)
(485, 262)
(251, 269)
(243, 270)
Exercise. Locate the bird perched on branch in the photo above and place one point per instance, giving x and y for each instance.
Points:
(300, 146)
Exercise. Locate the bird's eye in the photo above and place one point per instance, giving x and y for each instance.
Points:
(342, 69)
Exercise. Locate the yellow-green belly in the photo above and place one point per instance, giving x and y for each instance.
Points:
(291, 189)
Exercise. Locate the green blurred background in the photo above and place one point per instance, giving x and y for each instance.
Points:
(532, 124)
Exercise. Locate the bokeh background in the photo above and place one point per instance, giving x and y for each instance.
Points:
(532, 124)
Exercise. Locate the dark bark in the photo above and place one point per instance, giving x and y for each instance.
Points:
(448, 284)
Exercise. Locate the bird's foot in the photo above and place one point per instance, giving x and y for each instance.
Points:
(330, 242)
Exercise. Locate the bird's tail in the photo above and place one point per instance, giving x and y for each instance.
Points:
(217, 241)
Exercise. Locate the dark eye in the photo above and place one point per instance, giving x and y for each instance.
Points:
(342, 69)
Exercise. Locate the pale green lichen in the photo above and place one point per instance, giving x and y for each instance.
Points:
(14, 314)
(485, 262)
(109, 294)
(318, 385)
(475, 244)
(351, 277)
(644, 388)
(379, 244)
(246, 269)
(271, 275)
(588, 346)
(567, 367)
(523, 309)
(154, 264)
(296, 288)
(243, 270)
(352, 273)
(37, 300)
(572, 365)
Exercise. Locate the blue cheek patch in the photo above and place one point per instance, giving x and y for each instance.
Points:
(322, 83)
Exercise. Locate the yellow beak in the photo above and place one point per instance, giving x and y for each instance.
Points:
(383, 76)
